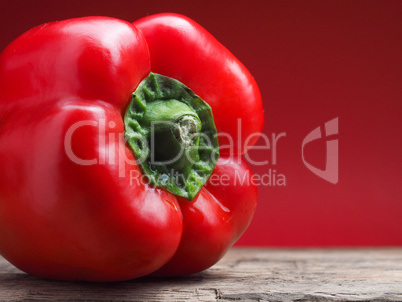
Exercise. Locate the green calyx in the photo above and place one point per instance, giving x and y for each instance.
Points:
(172, 132)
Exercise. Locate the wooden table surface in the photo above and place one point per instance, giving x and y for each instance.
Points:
(242, 275)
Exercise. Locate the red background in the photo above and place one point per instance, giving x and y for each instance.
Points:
(314, 61)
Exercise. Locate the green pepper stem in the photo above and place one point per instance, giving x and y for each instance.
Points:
(174, 134)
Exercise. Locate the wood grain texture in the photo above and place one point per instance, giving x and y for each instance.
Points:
(243, 275)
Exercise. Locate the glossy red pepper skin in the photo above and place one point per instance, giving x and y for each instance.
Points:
(180, 48)
(67, 221)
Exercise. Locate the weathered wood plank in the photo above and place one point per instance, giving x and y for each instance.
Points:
(243, 275)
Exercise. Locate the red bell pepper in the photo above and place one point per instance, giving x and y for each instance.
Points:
(76, 105)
